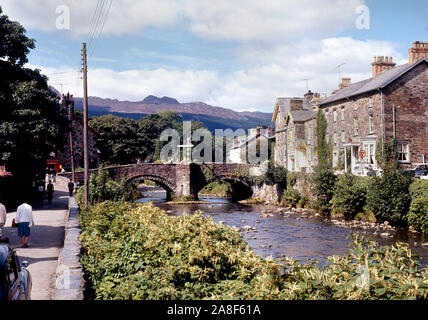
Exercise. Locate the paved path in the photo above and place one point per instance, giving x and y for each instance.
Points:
(46, 241)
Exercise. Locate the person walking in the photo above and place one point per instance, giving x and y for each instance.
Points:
(24, 219)
(71, 188)
(3, 218)
(50, 189)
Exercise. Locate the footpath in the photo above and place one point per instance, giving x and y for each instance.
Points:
(45, 242)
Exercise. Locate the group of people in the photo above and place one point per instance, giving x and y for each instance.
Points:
(24, 220)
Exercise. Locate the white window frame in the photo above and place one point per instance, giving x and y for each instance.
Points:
(356, 127)
(355, 106)
(343, 136)
(334, 115)
(406, 152)
(371, 124)
(342, 114)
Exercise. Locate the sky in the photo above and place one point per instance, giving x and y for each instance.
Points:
(238, 54)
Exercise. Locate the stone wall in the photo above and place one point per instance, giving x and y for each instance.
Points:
(70, 283)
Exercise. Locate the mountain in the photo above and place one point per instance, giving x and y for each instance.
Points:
(213, 117)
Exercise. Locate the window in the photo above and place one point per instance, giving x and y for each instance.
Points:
(369, 148)
(370, 102)
(371, 124)
(355, 127)
(335, 115)
(334, 139)
(342, 135)
(342, 114)
(309, 137)
(11, 267)
(355, 106)
(403, 152)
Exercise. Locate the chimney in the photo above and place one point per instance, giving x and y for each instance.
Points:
(381, 64)
(309, 95)
(296, 104)
(418, 51)
(344, 83)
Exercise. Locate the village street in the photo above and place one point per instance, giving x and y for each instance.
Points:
(46, 241)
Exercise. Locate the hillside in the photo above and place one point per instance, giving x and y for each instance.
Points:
(213, 117)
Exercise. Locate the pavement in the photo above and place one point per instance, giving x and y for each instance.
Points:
(45, 242)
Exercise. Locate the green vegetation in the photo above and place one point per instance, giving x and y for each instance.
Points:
(418, 213)
(32, 123)
(291, 197)
(218, 188)
(324, 178)
(124, 141)
(135, 251)
(349, 197)
(101, 188)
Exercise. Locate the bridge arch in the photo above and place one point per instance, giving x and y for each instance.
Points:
(240, 189)
(162, 182)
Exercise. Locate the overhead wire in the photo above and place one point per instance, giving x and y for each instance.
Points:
(101, 29)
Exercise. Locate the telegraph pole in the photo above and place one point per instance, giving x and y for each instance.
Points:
(85, 126)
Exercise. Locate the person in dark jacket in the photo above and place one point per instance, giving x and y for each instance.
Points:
(50, 189)
(71, 188)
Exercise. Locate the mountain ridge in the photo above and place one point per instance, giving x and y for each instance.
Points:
(152, 104)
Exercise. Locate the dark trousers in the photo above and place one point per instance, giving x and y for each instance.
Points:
(70, 191)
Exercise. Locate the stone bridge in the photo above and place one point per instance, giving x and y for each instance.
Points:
(180, 180)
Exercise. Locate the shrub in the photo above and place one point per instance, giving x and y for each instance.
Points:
(291, 197)
(303, 202)
(135, 251)
(365, 216)
(418, 214)
(276, 175)
(101, 188)
(388, 196)
(349, 196)
(418, 188)
(324, 181)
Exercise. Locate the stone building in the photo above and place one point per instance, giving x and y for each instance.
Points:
(295, 137)
(392, 104)
(62, 158)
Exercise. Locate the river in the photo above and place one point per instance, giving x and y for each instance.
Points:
(303, 239)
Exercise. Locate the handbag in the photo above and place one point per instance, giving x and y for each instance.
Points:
(14, 224)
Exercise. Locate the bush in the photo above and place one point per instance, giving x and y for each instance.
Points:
(291, 197)
(418, 214)
(303, 202)
(388, 196)
(418, 188)
(135, 251)
(324, 181)
(365, 216)
(101, 188)
(349, 196)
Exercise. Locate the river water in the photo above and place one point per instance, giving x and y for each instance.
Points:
(303, 239)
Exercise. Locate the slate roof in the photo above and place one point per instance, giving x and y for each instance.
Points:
(284, 106)
(302, 115)
(371, 84)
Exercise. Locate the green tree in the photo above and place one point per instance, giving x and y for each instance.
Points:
(32, 123)
(118, 141)
(324, 178)
(388, 196)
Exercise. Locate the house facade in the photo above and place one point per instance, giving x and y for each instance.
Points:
(295, 137)
(392, 104)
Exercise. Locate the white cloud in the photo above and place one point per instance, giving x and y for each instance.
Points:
(269, 20)
(125, 16)
(271, 72)
(242, 20)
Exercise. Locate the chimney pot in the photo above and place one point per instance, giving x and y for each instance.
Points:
(418, 51)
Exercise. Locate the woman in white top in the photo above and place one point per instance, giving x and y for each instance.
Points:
(24, 217)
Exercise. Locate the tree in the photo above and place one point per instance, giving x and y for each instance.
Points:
(32, 123)
(324, 178)
(118, 140)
